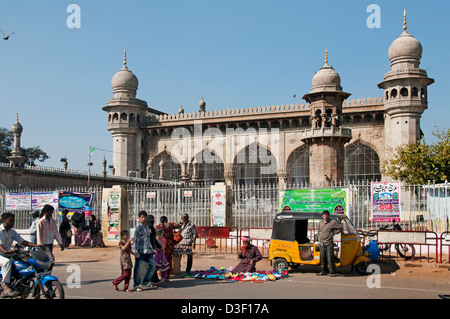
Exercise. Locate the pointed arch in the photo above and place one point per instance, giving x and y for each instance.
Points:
(298, 164)
(255, 164)
(361, 162)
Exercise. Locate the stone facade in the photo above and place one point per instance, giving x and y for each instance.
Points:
(330, 138)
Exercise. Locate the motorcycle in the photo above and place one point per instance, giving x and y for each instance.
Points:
(405, 251)
(30, 275)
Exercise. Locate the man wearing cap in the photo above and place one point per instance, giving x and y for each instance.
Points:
(249, 256)
(33, 228)
(326, 230)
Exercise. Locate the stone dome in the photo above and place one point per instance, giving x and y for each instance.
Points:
(326, 77)
(124, 79)
(17, 127)
(202, 105)
(405, 47)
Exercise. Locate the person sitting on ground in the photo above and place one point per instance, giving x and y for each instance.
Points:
(249, 256)
(7, 236)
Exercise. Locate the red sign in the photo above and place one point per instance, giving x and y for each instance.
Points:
(214, 232)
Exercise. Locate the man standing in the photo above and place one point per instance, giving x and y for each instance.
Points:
(326, 230)
(7, 236)
(47, 232)
(33, 228)
(189, 234)
(143, 247)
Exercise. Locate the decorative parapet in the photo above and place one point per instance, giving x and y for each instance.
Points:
(236, 112)
(249, 111)
(363, 102)
(77, 173)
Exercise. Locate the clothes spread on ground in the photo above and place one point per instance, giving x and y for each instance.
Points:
(228, 274)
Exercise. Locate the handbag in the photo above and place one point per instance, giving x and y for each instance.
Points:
(68, 233)
(177, 237)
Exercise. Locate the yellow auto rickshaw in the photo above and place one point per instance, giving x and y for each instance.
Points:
(294, 242)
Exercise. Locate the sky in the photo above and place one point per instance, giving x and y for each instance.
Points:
(234, 53)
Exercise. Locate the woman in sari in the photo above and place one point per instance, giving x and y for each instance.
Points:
(168, 240)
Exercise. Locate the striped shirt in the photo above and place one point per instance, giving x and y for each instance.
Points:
(47, 232)
(141, 242)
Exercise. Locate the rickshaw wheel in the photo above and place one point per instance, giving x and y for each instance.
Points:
(361, 268)
(280, 264)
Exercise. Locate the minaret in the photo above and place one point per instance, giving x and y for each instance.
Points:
(16, 160)
(126, 114)
(405, 91)
(327, 137)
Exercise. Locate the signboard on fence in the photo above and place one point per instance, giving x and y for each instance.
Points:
(385, 201)
(74, 201)
(219, 206)
(115, 217)
(18, 201)
(40, 199)
(334, 200)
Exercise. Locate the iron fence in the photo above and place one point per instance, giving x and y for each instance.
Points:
(423, 207)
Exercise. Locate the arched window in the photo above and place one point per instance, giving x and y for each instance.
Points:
(171, 167)
(255, 165)
(123, 116)
(368, 118)
(115, 117)
(357, 118)
(414, 92)
(394, 93)
(132, 117)
(361, 163)
(299, 166)
(347, 119)
(387, 95)
(210, 168)
(404, 92)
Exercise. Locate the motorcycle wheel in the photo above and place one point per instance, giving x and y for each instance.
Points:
(52, 290)
(405, 251)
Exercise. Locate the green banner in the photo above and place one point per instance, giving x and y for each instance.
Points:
(334, 200)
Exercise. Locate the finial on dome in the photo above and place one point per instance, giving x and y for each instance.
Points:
(326, 56)
(17, 117)
(125, 58)
(404, 19)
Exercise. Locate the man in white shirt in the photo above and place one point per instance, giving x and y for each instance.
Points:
(47, 232)
(7, 237)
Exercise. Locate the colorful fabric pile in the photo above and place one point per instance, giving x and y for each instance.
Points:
(227, 274)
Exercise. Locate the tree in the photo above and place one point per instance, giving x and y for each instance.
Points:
(32, 154)
(422, 162)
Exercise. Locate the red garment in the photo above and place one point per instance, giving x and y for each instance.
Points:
(126, 275)
(168, 243)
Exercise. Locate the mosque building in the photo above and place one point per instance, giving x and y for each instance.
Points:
(328, 139)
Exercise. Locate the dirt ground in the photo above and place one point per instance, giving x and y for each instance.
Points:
(391, 268)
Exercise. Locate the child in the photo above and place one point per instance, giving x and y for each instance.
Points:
(162, 265)
(125, 260)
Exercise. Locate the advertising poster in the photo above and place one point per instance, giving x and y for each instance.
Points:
(218, 208)
(113, 213)
(385, 201)
(334, 200)
(40, 199)
(18, 201)
(74, 201)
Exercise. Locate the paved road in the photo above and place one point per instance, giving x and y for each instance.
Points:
(96, 278)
